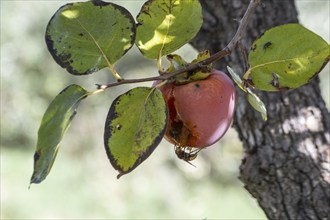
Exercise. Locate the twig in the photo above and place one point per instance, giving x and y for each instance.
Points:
(215, 57)
(127, 81)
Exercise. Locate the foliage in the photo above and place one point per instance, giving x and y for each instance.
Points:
(165, 26)
(278, 64)
(135, 125)
(85, 37)
(54, 124)
(252, 98)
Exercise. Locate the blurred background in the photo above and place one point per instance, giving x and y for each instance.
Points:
(82, 183)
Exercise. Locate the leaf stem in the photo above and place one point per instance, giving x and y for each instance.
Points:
(215, 57)
(114, 72)
(96, 91)
(159, 64)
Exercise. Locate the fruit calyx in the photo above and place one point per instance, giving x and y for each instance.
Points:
(177, 62)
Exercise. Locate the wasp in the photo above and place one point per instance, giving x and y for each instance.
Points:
(186, 153)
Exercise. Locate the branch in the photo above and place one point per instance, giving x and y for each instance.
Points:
(127, 81)
(215, 57)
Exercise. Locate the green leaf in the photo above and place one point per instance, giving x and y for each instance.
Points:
(256, 103)
(176, 62)
(84, 37)
(54, 124)
(135, 125)
(166, 25)
(203, 55)
(252, 98)
(286, 57)
(237, 79)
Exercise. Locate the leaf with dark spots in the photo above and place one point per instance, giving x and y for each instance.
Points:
(134, 127)
(91, 45)
(294, 61)
(54, 125)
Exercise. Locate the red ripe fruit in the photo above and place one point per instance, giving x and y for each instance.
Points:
(200, 112)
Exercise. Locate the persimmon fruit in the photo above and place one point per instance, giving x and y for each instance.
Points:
(200, 112)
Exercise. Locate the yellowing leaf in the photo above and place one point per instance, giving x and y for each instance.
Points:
(286, 57)
(164, 26)
(134, 127)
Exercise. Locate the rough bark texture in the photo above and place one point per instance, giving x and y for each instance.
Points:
(286, 163)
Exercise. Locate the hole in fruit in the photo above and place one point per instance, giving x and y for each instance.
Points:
(197, 85)
(176, 130)
(183, 134)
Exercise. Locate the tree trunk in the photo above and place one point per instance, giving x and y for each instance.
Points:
(286, 163)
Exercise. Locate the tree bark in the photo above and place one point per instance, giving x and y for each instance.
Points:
(286, 164)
